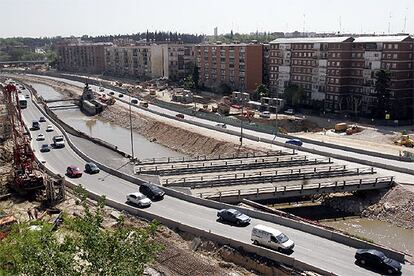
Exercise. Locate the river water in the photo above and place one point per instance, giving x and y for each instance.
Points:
(95, 127)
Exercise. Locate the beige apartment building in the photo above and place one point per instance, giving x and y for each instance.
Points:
(338, 73)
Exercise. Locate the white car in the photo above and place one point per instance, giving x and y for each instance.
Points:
(138, 199)
(40, 137)
(265, 114)
(49, 128)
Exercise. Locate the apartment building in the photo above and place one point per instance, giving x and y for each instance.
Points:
(181, 61)
(239, 66)
(82, 57)
(339, 72)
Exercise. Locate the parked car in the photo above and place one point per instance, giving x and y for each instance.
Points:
(134, 101)
(91, 168)
(73, 171)
(101, 89)
(221, 125)
(111, 93)
(49, 128)
(151, 191)
(295, 142)
(45, 148)
(272, 238)
(289, 111)
(138, 199)
(233, 216)
(40, 137)
(42, 119)
(35, 125)
(180, 116)
(120, 95)
(377, 260)
(58, 141)
(265, 114)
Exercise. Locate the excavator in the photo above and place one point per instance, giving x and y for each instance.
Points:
(406, 141)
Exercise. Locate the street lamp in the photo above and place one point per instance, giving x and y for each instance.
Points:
(130, 126)
(241, 125)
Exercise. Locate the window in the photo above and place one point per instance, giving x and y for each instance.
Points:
(394, 56)
(396, 46)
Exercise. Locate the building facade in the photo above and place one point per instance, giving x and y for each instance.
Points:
(82, 57)
(238, 66)
(338, 73)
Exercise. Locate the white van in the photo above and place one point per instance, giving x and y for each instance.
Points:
(265, 114)
(272, 238)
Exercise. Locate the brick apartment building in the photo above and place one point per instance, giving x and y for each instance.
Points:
(173, 61)
(239, 66)
(81, 57)
(338, 73)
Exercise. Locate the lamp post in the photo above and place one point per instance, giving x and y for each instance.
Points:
(241, 125)
(130, 126)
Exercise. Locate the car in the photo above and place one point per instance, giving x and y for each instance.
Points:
(27, 96)
(45, 148)
(180, 116)
(377, 260)
(40, 137)
(35, 125)
(151, 191)
(120, 95)
(134, 101)
(91, 168)
(295, 142)
(49, 128)
(101, 89)
(58, 141)
(265, 114)
(42, 119)
(73, 171)
(138, 199)
(111, 93)
(233, 216)
(272, 238)
(289, 111)
(221, 125)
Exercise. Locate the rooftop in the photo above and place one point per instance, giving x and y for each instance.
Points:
(388, 38)
(334, 39)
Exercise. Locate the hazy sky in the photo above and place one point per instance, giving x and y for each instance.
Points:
(94, 17)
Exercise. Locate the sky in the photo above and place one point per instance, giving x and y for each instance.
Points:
(40, 18)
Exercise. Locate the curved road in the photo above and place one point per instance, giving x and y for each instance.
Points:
(311, 249)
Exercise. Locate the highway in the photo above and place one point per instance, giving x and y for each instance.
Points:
(311, 249)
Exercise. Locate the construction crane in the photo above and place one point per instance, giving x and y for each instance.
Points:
(26, 177)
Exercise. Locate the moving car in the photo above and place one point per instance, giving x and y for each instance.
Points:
(91, 168)
(134, 101)
(45, 148)
(49, 128)
(101, 89)
(73, 171)
(289, 111)
(151, 191)
(35, 125)
(42, 119)
(377, 260)
(27, 96)
(180, 116)
(120, 95)
(40, 137)
(233, 216)
(58, 141)
(265, 114)
(221, 125)
(295, 142)
(272, 238)
(138, 199)
(111, 93)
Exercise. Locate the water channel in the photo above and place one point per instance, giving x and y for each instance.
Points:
(98, 128)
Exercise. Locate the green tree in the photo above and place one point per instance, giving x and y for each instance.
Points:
(382, 84)
(189, 82)
(81, 246)
(293, 95)
(262, 90)
(196, 76)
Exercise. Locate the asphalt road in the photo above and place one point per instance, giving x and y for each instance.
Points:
(311, 249)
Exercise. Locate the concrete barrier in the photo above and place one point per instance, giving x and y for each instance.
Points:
(305, 227)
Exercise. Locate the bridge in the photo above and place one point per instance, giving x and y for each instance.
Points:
(23, 62)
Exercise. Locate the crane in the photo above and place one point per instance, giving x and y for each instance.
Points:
(26, 176)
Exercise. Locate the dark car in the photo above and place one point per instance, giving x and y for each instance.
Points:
(134, 101)
(73, 171)
(42, 119)
(377, 260)
(151, 191)
(91, 168)
(44, 148)
(35, 125)
(233, 216)
(295, 142)
(111, 93)
(120, 95)
(180, 116)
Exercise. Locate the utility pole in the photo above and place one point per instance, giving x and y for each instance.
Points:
(241, 126)
(130, 125)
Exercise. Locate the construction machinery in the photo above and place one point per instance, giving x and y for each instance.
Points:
(107, 100)
(26, 176)
(406, 141)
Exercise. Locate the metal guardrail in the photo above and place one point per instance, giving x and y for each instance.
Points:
(265, 177)
(283, 190)
(208, 167)
(168, 160)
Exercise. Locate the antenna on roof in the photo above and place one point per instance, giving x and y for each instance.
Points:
(389, 24)
(340, 25)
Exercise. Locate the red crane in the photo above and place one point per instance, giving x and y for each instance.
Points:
(25, 175)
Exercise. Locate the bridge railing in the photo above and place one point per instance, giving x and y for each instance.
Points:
(284, 189)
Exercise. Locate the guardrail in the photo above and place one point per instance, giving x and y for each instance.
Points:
(318, 231)
(302, 189)
(265, 177)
